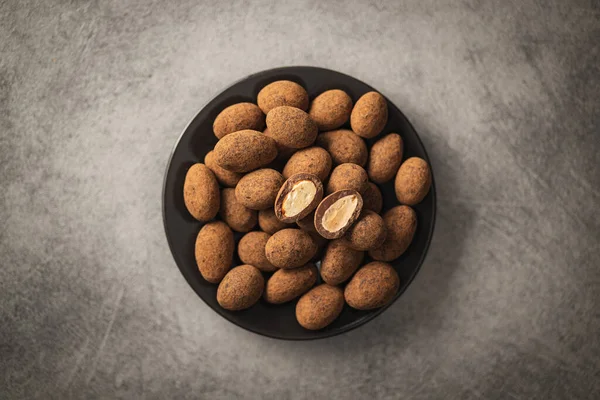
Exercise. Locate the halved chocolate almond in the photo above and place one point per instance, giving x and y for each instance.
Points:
(337, 212)
(298, 197)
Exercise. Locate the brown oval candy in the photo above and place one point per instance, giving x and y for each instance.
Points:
(282, 93)
(331, 109)
(290, 248)
(367, 232)
(244, 151)
(291, 127)
(339, 262)
(385, 158)
(373, 286)
(348, 176)
(298, 197)
(344, 146)
(201, 193)
(287, 284)
(238, 117)
(369, 115)
(313, 160)
(241, 288)
(319, 307)
(412, 181)
(214, 250)
(337, 212)
(258, 189)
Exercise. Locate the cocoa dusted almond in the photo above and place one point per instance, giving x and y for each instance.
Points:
(319, 307)
(337, 212)
(290, 248)
(298, 197)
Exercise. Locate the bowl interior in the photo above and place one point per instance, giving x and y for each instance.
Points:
(279, 321)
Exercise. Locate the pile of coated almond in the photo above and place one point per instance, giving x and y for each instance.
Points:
(312, 190)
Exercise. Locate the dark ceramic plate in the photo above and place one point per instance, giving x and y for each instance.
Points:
(279, 321)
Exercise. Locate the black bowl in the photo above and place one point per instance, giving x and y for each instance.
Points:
(279, 321)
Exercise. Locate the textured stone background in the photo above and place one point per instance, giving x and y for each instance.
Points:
(506, 96)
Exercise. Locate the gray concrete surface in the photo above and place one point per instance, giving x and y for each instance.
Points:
(506, 96)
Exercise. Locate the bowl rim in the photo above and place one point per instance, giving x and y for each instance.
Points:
(322, 334)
